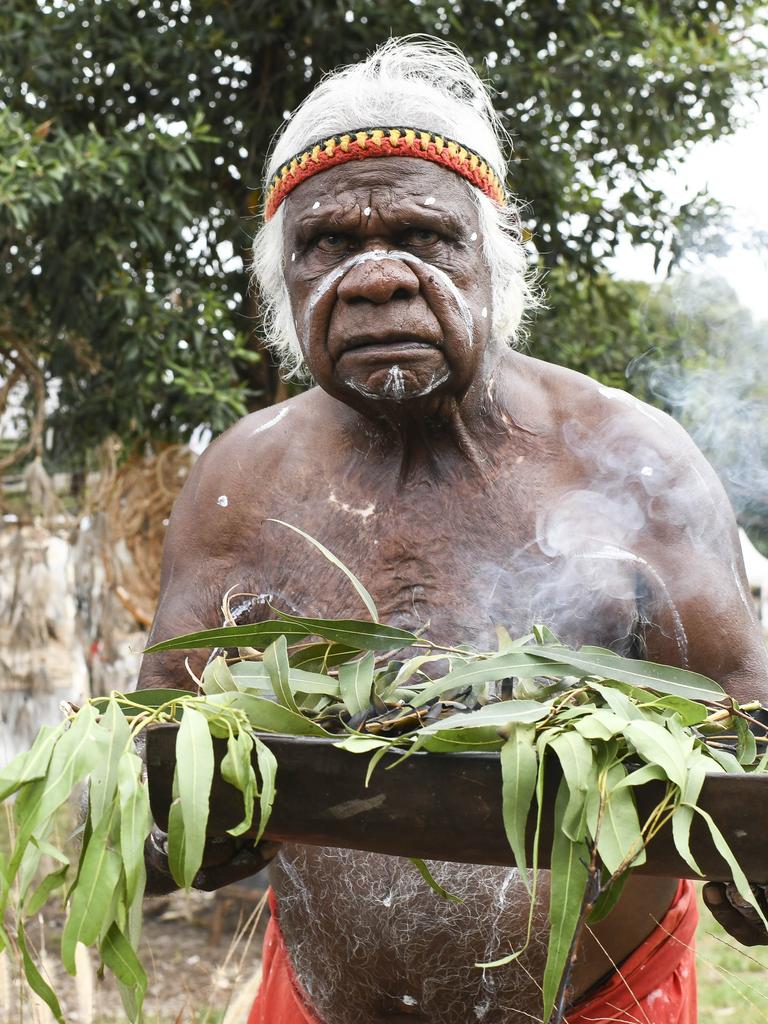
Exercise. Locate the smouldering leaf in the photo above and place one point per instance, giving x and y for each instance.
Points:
(259, 635)
(358, 633)
(433, 884)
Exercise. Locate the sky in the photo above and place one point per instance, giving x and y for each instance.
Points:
(733, 170)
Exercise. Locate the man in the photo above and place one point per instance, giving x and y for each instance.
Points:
(467, 485)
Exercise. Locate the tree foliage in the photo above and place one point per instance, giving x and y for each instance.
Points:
(132, 138)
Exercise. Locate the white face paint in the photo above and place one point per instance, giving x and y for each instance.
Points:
(395, 383)
(646, 471)
(367, 211)
(330, 279)
(364, 513)
(316, 204)
(429, 201)
(473, 237)
(484, 312)
(222, 500)
(293, 257)
(270, 423)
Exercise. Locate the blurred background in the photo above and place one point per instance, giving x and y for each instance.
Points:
(132, 139)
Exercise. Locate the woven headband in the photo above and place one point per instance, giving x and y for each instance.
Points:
(370, 142)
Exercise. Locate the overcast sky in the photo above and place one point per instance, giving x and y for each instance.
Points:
(734, 170)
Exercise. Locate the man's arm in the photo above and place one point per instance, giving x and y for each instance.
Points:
(196, 559)
(705, 621)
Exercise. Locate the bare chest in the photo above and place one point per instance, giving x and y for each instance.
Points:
(453, 560)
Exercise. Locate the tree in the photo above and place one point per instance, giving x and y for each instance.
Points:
(132, 137)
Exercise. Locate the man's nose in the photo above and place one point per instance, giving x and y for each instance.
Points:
(378, 281)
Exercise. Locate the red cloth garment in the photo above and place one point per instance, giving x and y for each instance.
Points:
(655, 985)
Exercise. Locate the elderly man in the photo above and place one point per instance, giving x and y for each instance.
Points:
(468, 485)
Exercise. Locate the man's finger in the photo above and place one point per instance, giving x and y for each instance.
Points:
(248, 861)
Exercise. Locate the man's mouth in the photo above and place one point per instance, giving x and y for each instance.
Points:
(389, 347)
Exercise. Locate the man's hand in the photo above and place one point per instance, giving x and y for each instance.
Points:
(225, 860)
(733, 912)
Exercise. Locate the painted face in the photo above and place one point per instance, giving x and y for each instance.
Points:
(390, 294)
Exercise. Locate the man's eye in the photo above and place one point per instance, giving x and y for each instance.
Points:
(332, 243)
(421, 236)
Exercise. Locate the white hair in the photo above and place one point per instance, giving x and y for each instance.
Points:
(417, 82)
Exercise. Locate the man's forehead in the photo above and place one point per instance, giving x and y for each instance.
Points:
(389, 181)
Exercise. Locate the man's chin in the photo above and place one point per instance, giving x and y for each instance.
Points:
(396, 371)
(396, 383)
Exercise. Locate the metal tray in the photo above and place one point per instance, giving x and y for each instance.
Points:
(446, 807)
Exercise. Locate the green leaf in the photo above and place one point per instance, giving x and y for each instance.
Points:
(356, 682)
(35, 980)
(35, 901)
(249, 675)
(104, 775)
(600, 724)
(739, 878)
(260, 635)
(486, 670)
(682, 819)
(32, 764)
(654, 745)
(321, 656)
(268, 716)
(363, 593)
(661, 678)
(619, 837)
(267, 764)
(135, 824)
(217, 677)
(118, 955)
(519, 765)
(279, 671)
(357, 744)
(746, 748)
(237, 770)
(194, 775)
(359, 633)
(499, 714)
(568, 883)
(151, 698)
(433, 884)
(93, 894)
(76, 752)
(580, 774)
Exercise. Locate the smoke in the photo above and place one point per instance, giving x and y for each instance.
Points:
(716, 386)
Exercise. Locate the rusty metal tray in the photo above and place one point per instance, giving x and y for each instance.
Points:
(446, 806)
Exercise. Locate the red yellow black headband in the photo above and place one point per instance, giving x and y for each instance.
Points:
(370, 142)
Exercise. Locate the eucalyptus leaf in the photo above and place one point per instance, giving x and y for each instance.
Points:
(329, 555)
(358, 633)
(268, 716)
(356, 683)
(433, 884)
(267, 764)
(119, 956)
(499, 714)
(519, 765)
(194, 775)
(238, 771)
(661, 678)
(91, 898)
(33, 763)
(619, 841)
(36, 981)
(135, 824)
(568, 884)
(279, 671)
(259, 635)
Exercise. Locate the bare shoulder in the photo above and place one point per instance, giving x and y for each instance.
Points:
(616, 431)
